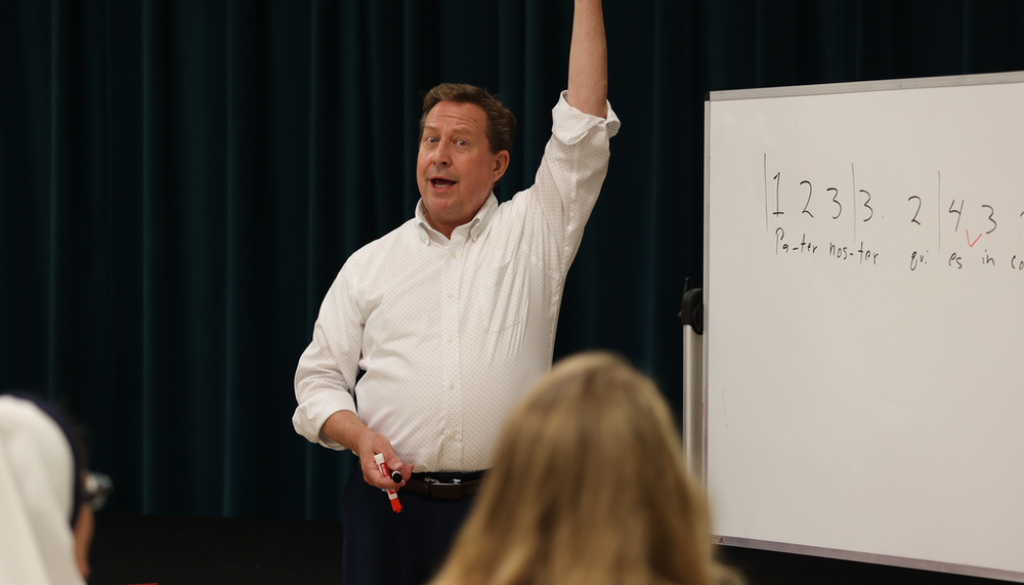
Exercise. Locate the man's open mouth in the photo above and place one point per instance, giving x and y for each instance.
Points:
(441, 183)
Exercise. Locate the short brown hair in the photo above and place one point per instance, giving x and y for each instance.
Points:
(501, 123)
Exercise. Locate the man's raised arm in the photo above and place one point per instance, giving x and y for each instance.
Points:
(588, 60)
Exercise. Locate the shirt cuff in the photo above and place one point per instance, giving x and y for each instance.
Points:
(311, 415)
(570, 125)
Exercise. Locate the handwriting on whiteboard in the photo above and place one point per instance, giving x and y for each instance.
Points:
(847, 207)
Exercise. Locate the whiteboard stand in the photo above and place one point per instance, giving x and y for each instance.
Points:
(692, 318)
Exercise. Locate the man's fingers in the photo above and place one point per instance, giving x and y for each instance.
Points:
(371, 474)
(407, 472)
(402, 476)
(400, 473)
(394, 463)
(378, 444)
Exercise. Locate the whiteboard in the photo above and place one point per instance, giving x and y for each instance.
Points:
(864, 307)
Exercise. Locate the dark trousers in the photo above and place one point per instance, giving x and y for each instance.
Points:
(382, 547)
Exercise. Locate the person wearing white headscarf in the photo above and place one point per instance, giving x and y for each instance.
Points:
(39, 500)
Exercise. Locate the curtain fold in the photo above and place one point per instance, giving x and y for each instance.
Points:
(181, 180)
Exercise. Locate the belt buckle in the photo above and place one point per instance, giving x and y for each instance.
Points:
(437, 482)
(444, 490)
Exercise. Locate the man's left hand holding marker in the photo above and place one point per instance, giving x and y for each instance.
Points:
(395, 477)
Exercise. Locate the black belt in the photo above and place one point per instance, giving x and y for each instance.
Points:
(444, 486)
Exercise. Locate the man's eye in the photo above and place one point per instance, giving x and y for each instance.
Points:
(462, 143)
(431, 140)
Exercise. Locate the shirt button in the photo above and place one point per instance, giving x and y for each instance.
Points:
(449, 340)
(452, 435)
(451, 385)
(450, 295)
(453, 254)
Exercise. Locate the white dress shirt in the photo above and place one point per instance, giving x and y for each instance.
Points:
(450, 333)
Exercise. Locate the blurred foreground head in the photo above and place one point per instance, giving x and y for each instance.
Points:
(39, 498)
(588, 487)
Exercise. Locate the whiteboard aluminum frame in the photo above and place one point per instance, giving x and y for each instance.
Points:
(805, 90)
(859, 86)
(873, 558)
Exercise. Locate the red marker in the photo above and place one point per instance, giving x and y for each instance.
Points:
(392, 494)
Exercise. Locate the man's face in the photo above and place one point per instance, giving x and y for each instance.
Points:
(456, 169)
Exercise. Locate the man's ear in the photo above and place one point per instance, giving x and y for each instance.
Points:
(500, 164)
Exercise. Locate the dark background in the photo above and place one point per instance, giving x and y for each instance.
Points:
(181, 180)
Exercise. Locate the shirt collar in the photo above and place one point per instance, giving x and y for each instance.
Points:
(475, 226)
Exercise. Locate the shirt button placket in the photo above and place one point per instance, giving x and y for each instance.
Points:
(451, 452)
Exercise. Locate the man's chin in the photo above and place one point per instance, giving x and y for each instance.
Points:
(438, 202)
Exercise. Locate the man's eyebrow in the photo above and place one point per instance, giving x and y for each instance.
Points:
(460, 129)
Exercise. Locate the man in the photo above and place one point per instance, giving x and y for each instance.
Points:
(452, 316)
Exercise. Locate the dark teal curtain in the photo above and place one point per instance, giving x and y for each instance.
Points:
(181, 180)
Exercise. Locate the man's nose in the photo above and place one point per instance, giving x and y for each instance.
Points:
(442, 156)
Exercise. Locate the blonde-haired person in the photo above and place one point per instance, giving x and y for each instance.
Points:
(588, 488)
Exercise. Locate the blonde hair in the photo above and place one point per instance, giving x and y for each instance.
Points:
(588, 488)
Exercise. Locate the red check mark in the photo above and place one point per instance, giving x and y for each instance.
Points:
(969, 242)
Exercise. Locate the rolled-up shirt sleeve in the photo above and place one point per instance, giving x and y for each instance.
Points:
(569, 178)
(327, 370)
